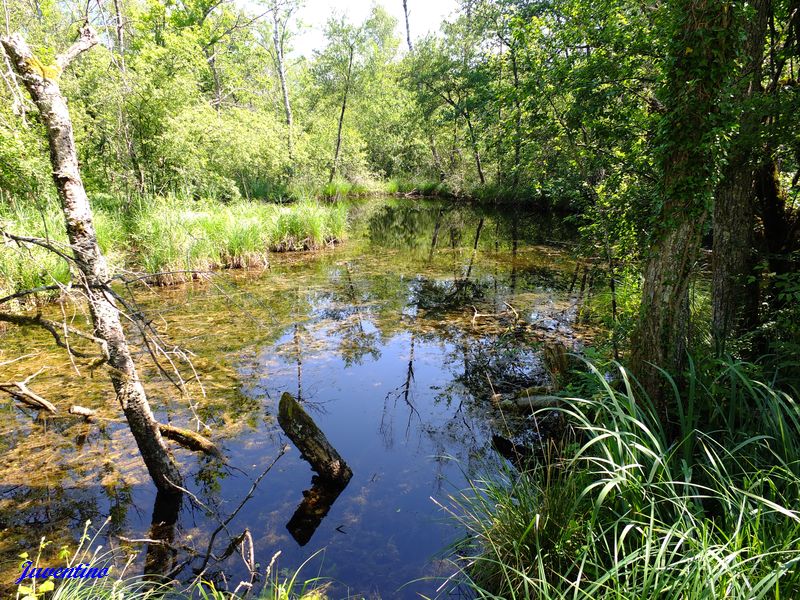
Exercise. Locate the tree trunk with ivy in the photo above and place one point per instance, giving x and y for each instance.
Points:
(734, 302)
(699, 63)
(41, 82)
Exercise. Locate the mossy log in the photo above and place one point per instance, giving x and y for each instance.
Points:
(185, 437)
(190, 440)
(531, 402)
(310, 440)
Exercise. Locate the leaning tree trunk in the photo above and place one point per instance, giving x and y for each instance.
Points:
(733, 304)
(41, 82)
(517, 117)
(408, 29)
(341, 116)
(279, 59)
(701, 58)
(475, 152)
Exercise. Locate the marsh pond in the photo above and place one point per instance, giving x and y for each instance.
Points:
(395, 342)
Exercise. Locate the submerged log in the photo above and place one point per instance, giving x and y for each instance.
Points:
(190, 440)
(310, 440)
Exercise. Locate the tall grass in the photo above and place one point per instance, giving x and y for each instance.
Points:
(174, 236)
(26, 266)
(626, 513)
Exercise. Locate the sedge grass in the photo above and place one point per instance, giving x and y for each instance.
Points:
(174, 236)
(633, 515)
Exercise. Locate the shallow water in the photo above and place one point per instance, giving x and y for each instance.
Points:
(394, 342)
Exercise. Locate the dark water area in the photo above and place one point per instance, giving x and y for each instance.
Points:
(394, 342)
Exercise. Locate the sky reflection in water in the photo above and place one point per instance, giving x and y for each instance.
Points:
(379, 338)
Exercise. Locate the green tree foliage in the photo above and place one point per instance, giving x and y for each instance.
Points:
(566, 104)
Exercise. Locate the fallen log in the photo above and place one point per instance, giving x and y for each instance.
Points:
(310, 440)
(190, 440)
(531, 402)
(82, 411)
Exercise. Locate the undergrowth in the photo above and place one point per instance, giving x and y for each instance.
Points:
(625, 512)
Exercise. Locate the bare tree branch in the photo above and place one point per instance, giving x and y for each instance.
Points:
(88, 39)
(21, 391)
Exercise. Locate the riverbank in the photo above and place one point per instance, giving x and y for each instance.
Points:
(172, 238)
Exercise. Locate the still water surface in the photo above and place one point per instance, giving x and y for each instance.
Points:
(394, 342)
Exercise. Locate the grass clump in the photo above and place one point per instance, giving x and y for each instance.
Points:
(628, 512)
(336, 189)
(174, 237)
(27, 266)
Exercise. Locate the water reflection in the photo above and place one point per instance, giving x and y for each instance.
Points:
(316, 504)
(161, 553)
(394, 343)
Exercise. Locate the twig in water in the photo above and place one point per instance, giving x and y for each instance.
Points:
(224, 524)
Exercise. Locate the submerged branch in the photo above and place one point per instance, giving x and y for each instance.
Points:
(21, 391)
(190, 440)
(56, 329)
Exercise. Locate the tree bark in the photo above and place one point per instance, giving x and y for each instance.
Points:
(341, 115)
(437, 160)
(772, 207)
(287, 107)
(517, 117)
(41, 82)
(732, 254)
(211, 58)
(474, 144)
(408, 29)
(733, 304)
(120, 22)
(694, 81)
